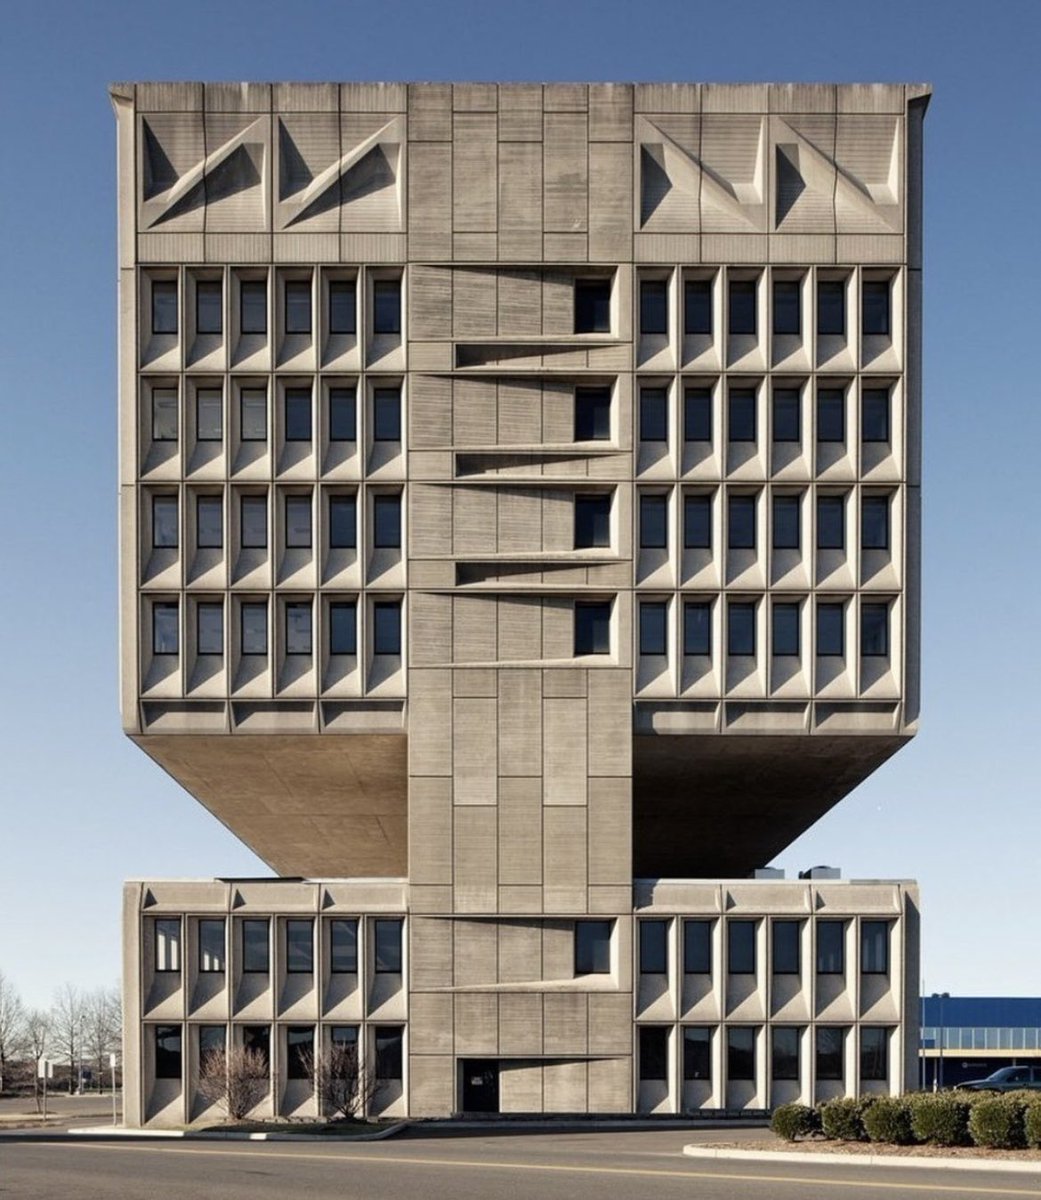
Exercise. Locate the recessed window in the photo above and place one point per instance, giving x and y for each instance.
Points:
(343, 315)
(592, 628)
(167, 943)
(343, 627)
(298, 522)
(741, 420)
(874, 415)
(740, 628)
(654, 415)
(874, 1054)
(831, 522)
(592, 306)
(874, 630)
(300, 946)
(874, 947)
(344, 1035)
(740, 522)
(386, 521)
(697, 627)
(653, 625)
(343, 522)
(654, 1054)
(164, 414)
(343, 947)
(697, 947)
(297, 407)
(654, 948)
(741, 947)
(253, 414)
(209, 618)
(831, 621)
(253, 623)
(831, 415)
(874, 316)
(387, 935)
(299, 1051)
(741, 1053)
(831, 307)
(253, 305)
(209, 306)
(253, 517)
(209, 522)
(592, 521)
(298, 627)
(165, 628)
(298, 305)
(168, 1052)
(785, 632)
(258, 1039)
(592, 947)
(697, 414)
(256, 945)
(592, 414)
(697, 1053)
(211, 945)
(386, 414)
(829, 1040)
(342, 415)
(742, 307)
(654, 525)
(213, 1039)
(164, 522)
(786, 522)
(654, 306)
(787, 424)
(787, 307)
(831, 947)
(209, 415)
(874, 522)
(697, 307)
(697, 521)
(386, 627)
(386, 306)
(784, 1052)
(387, 1042)
(164, 306)
(785, 948)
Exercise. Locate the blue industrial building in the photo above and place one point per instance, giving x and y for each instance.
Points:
(968, 1037)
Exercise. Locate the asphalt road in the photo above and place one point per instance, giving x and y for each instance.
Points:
(597, 1166)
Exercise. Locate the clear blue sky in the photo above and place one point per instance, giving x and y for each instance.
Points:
(81, 808)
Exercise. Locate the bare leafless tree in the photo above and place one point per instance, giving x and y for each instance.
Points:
(37, 1043)
(67, 1028)
(102, 1028)
(343, 1085)
(236, 1079)
(12, 1026)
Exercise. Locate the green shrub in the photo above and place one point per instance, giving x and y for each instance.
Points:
(841, 1119)
(1032, 1124)
(996, 1122)
(888, 1119)
(941, 1118)
(791, 1121)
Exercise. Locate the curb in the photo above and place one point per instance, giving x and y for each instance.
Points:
(95, 1133)
(865, 1160)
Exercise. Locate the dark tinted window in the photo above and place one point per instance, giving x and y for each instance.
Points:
(697, 947)
(168, 1052)
(386, 306)
(697, 522)
(874, 315)
(697, 628)
(785, 629)
(831, 947)
(164, 415)
(209, 316)
(741, 947)
(298, 306)
(167, 931)
(343, 947)
(787, 423)
(654, 1053)
(164, 306)
(830, 630)
(298, 627)
(298, 522)
(211, 945)
(741, 522)
(785, 935)
(213, 1039)
(593, 628)
(388, 1053)
(742, 306)
(253, 620)
(388, 946)
(164, 522)
(874, 947)
(592, 306)
(787, 309)
(592, 947)
(829, 1052)
(831, 306)
(298, 414)
(654, 306)
(386, 415)
(653, 522)
(592, 521)
(209, 415)
(697, 306)
(253, 518)
(874, 522)
(740, 1053)
(256, 948)
(386, 520)
(874, 630)
(654, 957)
(253, 414)
(299, 1050)
(209, 522)
(740, 628)
(652, 627)
(386, 632)
(654, 415)
(697, 415)
(784, 1052)
(253, 306)
(874, 415)
(831, 522)
(258, 1039)
(786, 522)
(343, 317)
(299, 946)
(165, 630)
(697, 1052)
(343, 522)
(741, 415)
(874, 1054)
(831, 415)
(342, 415)
(343, 627)
(210, 627)
(592, 414)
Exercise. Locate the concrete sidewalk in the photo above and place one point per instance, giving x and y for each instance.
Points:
(838, 1157)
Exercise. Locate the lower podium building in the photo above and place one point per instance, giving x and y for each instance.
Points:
(520, 542)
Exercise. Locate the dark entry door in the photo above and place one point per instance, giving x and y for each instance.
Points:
(480, 1085)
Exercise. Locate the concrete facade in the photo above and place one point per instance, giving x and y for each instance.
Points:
(520, 497)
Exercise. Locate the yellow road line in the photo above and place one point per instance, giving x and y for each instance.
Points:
(304, 1155)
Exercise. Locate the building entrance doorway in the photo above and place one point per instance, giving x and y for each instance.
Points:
(480, 1085)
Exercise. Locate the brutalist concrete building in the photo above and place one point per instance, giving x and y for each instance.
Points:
(520, 548)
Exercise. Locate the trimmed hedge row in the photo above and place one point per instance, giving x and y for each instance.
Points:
(1001, 1122)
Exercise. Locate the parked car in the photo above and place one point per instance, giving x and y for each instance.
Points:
(1007, 1079)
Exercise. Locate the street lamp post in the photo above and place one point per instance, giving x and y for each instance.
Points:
(938, 1072)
